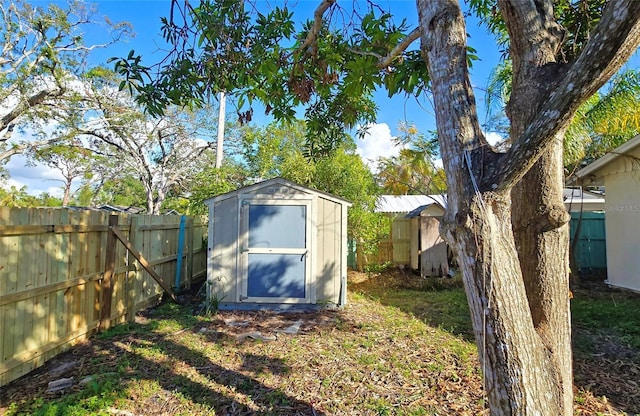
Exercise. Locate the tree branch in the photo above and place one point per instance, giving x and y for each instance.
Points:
(20, 148)
(317, 24)
(535, 38)
(386, 61)
(443, 37)
(532, 30)
(23, 106)
(613, 41)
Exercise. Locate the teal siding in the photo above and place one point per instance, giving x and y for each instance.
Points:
(591, 250)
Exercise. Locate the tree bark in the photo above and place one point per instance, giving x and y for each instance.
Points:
(67, 193)
(149, 196)
(542, 240)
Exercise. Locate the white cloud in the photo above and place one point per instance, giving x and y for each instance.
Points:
(377, 142)
(37, 179)
(54, 191)
(493, 138)
(200, 143)
(11, 182)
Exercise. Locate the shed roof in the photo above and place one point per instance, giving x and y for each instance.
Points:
(592, 169)
(422, 208)
(408, 203)
(277, 181)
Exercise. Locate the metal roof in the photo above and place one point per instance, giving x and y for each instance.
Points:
(416, 203)
(407, 203)
(577, 195)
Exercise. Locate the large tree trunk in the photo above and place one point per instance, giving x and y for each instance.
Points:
(516, 277)
(515, 360)
(517, 368)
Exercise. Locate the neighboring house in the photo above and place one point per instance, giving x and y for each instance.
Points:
(619, 172)
(277, 245)
(414, 239)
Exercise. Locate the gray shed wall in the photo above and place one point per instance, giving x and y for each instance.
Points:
(329, 251)
(222, 277)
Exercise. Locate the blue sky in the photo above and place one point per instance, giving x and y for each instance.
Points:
(145, 16)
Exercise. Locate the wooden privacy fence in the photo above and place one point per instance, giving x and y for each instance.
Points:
(397, 247)
(65, 273)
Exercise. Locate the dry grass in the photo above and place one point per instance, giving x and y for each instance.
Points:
(390, 351)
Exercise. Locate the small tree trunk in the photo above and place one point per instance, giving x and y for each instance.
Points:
(150, 201)
(543, 249)
(158, 200)
(220, 139)
(67, 193)
(361, 256)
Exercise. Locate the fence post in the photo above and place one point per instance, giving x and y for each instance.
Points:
(133, 275)
(189, 252)
(180, 254)
(107, 280)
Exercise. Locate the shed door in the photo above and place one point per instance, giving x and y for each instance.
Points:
(275, 251)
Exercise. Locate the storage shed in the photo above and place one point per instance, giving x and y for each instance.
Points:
(277, 245)
(428, 250)
(414, 232)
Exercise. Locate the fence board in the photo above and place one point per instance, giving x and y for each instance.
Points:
(52, 266)
(23, 230)
(109, 275)
(396, 248)
(588, 240)
(401, 235)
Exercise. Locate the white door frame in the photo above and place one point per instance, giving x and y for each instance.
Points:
(245, 201)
